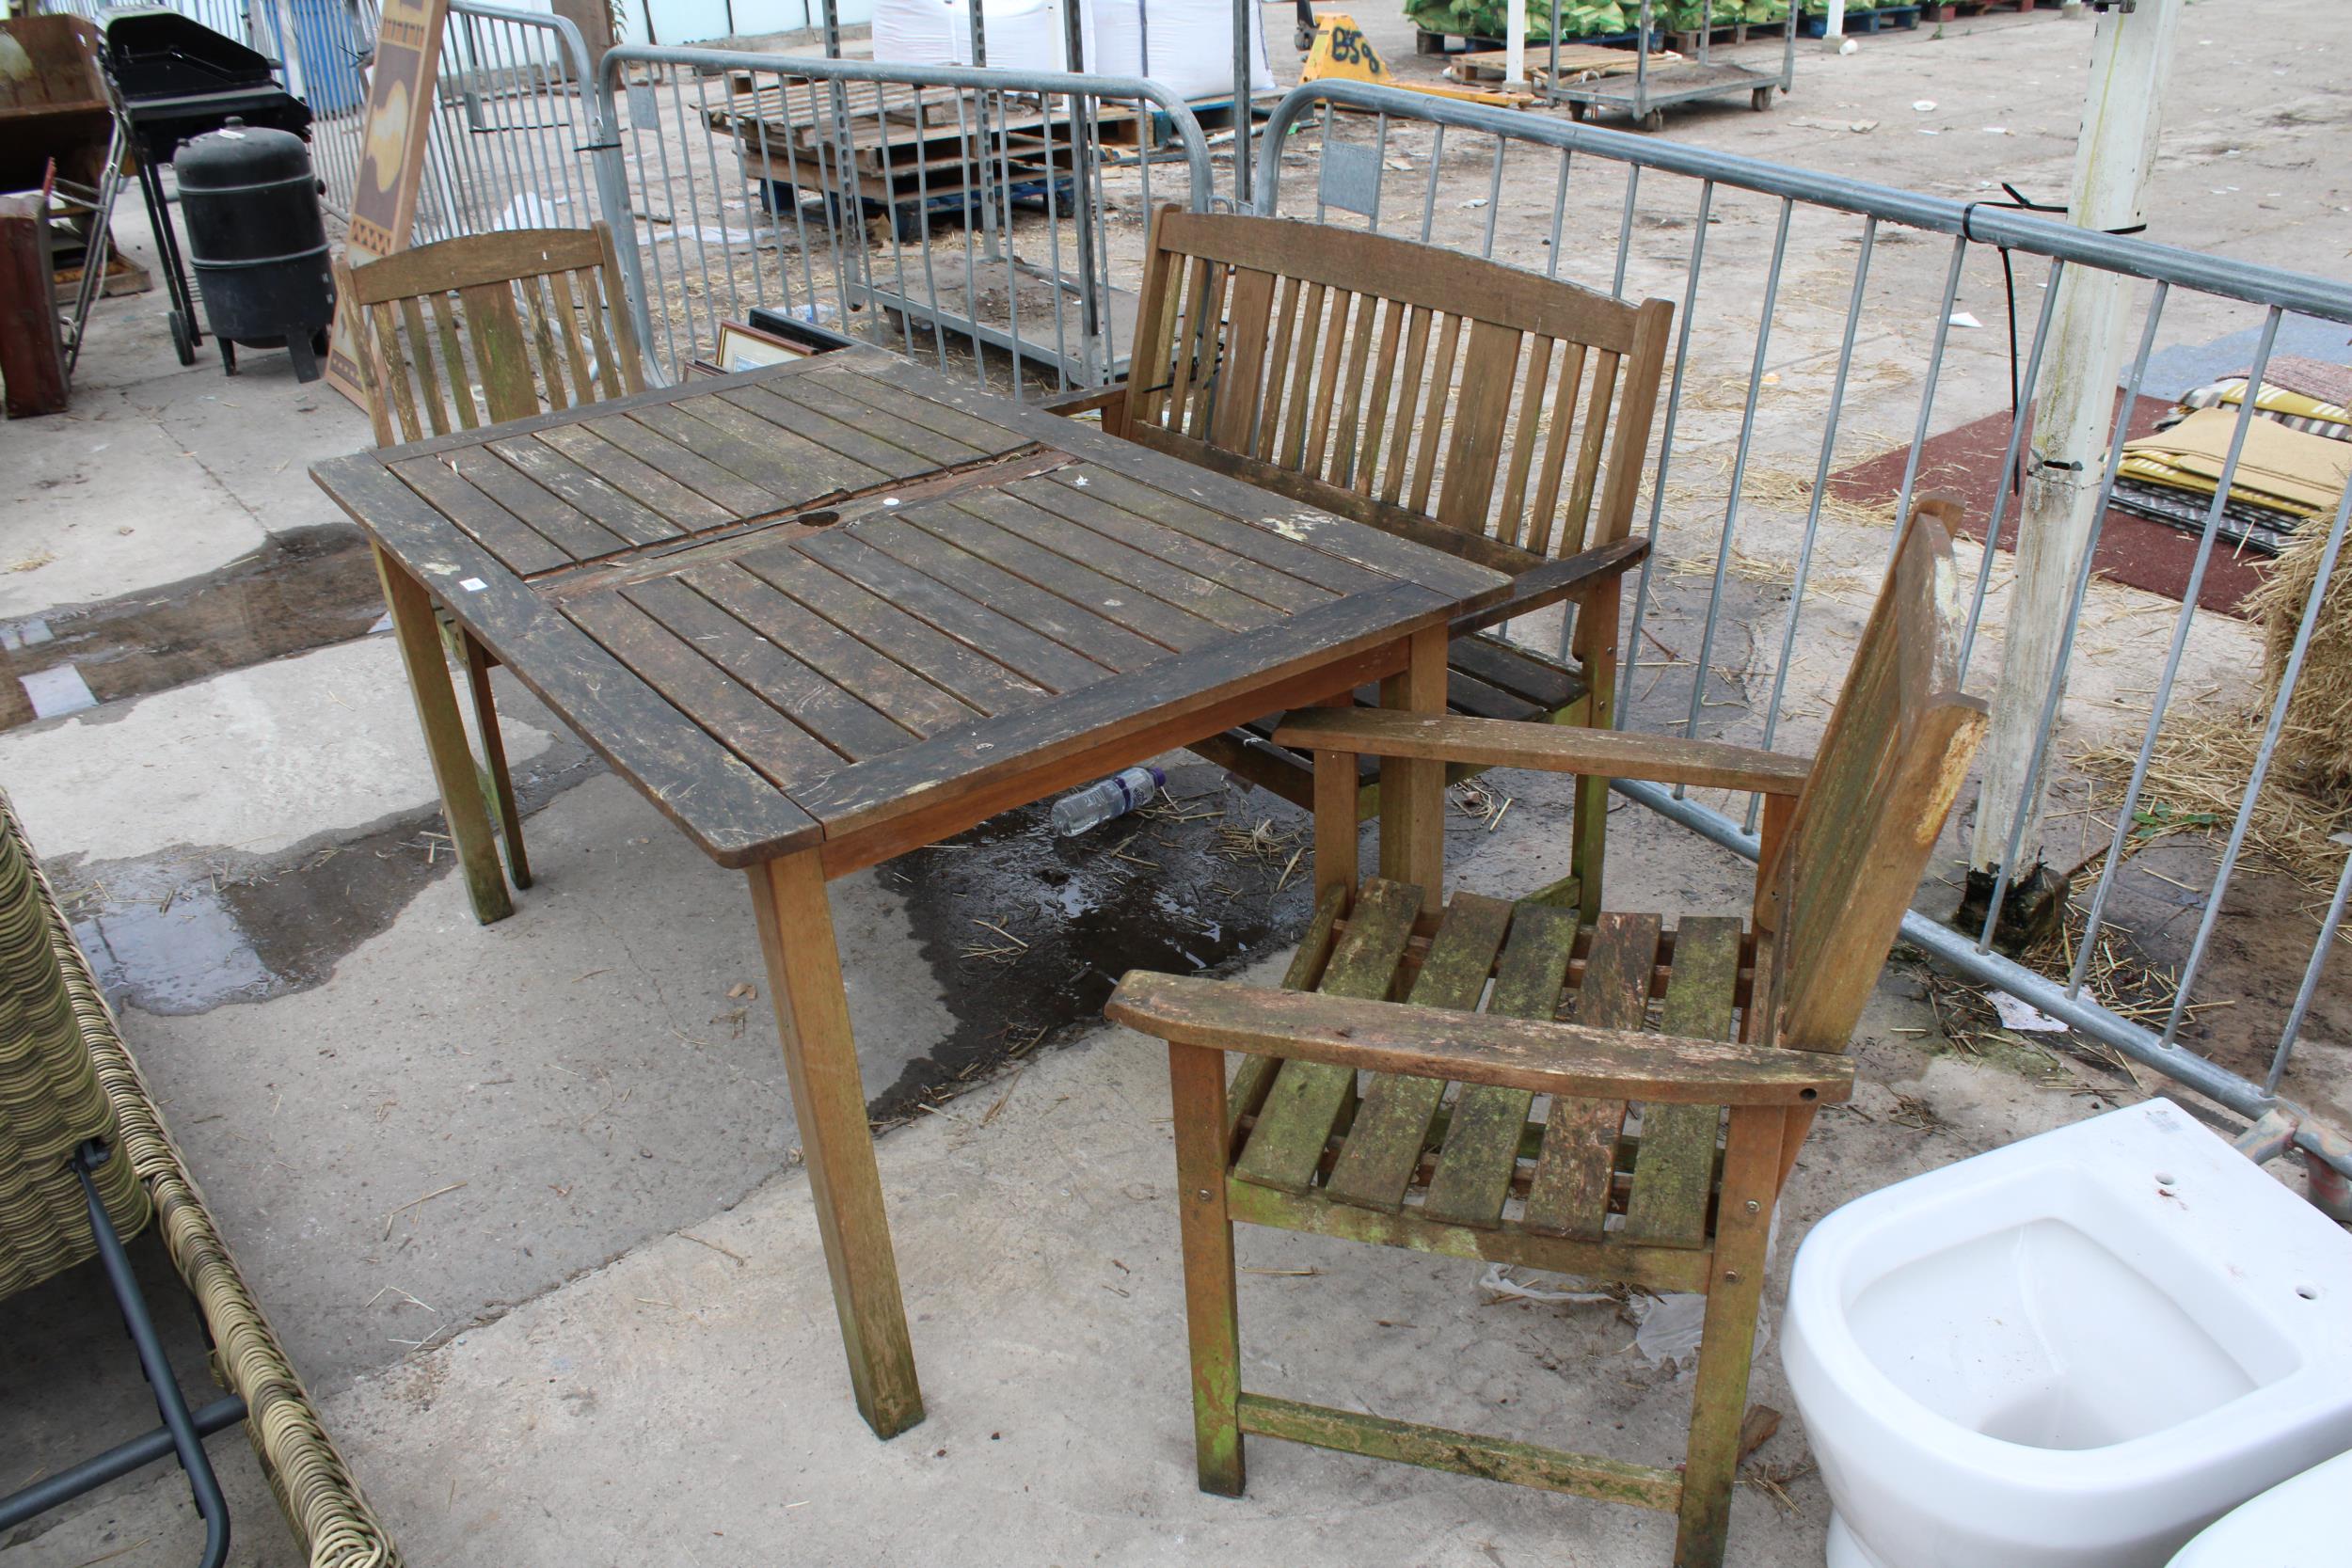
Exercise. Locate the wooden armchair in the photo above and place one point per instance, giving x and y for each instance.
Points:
(1472, 406)
(452, 336)
(1588, 1146)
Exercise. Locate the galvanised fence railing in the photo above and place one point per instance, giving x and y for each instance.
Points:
(1745, 612)
(964, 215)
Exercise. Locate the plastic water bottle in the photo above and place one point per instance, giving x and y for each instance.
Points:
(1097, 803)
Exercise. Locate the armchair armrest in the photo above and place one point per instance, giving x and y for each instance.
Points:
(1474, 1048)
(1088, 401)
(1554, 748)
(1552, 581)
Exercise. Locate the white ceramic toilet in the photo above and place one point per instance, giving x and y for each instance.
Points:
(2075, 1351)
(2301, 1523)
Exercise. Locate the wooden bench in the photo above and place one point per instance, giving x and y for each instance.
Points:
(1488, 411)
(1646, 1138)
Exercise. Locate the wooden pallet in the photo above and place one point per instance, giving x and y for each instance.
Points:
(1885, 19)
(1427, 42)
(1953, 10)
(894, 129)
(1579, 62)
(1687, 39)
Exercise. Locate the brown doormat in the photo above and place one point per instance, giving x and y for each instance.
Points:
(1966, 461)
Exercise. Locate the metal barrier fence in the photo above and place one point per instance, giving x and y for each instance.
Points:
(1758, 495)
(512, 131)
(1000, 204)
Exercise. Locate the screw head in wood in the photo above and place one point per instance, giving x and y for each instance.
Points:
(1754, 1206)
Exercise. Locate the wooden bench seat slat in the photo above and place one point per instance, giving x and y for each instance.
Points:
(1482, 1145)
(1570, 1193)
(1676, 1164)
(1286, 1146)
(1393, 1123)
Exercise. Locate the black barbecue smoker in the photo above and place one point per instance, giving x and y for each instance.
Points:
(257, 242)
(255, 237)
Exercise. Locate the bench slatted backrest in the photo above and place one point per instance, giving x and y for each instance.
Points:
(529, 319)
(1395, 383)
(1890, 764)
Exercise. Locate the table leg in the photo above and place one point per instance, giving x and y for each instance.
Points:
(445, 742)
(795, 936)
(1412, 792)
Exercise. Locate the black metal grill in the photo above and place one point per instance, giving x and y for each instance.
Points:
(179, 79)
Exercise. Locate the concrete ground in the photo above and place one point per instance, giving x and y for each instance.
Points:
(524, 1202)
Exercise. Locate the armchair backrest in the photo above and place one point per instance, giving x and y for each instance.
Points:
(1890, 764)
(1395, 383)
(488, 327)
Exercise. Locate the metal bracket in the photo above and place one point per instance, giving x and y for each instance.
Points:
(183, 1430)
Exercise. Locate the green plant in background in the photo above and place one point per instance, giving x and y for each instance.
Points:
(1690, 15)
(1577, 19)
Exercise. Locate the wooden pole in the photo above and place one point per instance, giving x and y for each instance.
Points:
(2074, 410)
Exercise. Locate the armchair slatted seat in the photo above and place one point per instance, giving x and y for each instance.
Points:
(1620, 1100)
(1475, 407)
(460, 334)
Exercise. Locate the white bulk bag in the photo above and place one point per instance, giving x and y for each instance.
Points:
(917, 32)
(1188, 47)
(1019, 35)
(1118, 38)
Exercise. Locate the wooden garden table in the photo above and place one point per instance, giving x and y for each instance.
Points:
(826, 613)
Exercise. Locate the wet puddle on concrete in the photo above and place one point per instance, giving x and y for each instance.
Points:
(187, 932)
(1030, 933)
(1026, 932)
(306, 588)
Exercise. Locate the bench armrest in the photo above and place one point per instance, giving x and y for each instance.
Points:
(1474, 1048)
(1553, 748)
(1105, 398)
(1551, 581)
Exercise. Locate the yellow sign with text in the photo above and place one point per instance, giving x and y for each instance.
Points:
(1342, 53)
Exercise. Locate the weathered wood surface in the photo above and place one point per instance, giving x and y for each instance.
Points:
(844, 599)
(532, 319)
(1846, 839)
(1559, 748)
(1443, 399)
(1474, 1048)
(1440, 1449)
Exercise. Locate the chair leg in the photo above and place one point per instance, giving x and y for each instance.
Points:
(1212, 1315)
(1727, 1336)
(494, 754)
(1596, 653)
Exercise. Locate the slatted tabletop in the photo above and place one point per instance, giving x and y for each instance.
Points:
(800, 603)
